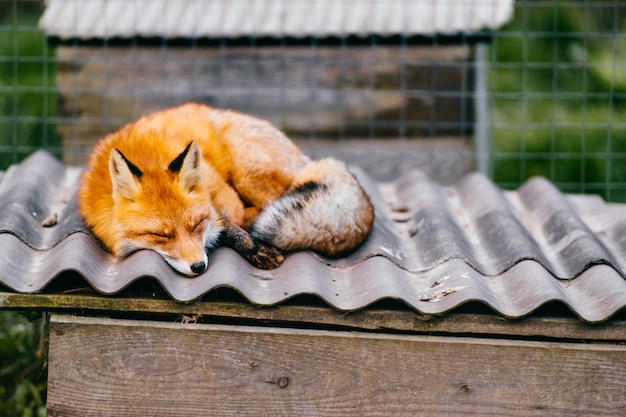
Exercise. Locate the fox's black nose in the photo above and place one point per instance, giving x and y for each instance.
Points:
(198, 267)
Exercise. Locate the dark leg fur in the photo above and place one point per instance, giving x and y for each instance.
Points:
(257, 253)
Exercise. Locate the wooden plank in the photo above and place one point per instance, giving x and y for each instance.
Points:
(102, 367)
(323, 92)
(404, 321)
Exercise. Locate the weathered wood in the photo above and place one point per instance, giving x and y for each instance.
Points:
(103, 367)
(404, 321)
(389, 92)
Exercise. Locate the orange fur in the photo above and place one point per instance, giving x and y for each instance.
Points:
(228, 168)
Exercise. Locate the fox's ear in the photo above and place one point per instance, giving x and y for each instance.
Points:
(124, 175)
(187, 166)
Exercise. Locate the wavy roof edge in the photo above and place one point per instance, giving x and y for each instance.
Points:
(595, 296)
(433, 248)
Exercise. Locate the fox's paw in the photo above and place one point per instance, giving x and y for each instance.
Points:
(265, 256)
(255, 251)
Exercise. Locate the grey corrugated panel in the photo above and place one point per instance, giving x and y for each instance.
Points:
(490, 230)
(198, 18)
(33, 191)
(593, 296)
(432, 247)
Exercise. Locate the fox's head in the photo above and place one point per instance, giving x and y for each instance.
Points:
(166, 209)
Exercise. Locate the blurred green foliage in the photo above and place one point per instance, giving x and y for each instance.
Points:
(27, 104)
(22, 373)
(28, 100)
(558, 96)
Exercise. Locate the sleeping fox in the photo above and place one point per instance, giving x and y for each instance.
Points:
(185, 179)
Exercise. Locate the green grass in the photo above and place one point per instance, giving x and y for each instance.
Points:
(558, 98)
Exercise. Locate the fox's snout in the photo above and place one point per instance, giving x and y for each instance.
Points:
(189, 255)
(199, 267)
(188, 268)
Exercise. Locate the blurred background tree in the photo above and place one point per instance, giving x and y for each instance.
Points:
(28, 99)
(27, 107)
(22, 366)
(558, 97)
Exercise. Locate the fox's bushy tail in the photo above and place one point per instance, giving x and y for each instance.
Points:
(325, 210)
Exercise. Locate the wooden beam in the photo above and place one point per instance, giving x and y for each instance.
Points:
(403, 321)
(124, 368)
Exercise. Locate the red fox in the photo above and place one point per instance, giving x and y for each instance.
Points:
(185, 179)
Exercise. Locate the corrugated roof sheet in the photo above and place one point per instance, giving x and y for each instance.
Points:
(297, 18)
(432, 247)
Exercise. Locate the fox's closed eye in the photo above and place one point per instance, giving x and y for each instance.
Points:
(162, 236)
(157, 237)
(197, 225)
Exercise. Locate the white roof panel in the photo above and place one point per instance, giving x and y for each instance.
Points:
(297, 18)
